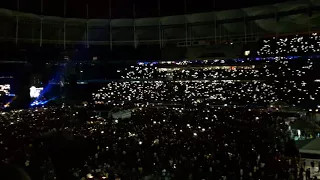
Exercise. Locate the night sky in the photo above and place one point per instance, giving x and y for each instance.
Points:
(124, 8)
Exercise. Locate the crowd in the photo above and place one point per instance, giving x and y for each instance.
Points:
(203, 142)
(184, 120)
(20, 142)
(295, 45)
(176, 143)
(294, 82)
(187, 92)
(280, 69)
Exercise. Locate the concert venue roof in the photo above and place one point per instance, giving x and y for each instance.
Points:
(148, 25)
(103, 9)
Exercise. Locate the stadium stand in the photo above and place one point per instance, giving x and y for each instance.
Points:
(180, 90)
(89, 37)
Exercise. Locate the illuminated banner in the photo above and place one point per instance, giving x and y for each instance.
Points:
(35, 92)
(122, 114)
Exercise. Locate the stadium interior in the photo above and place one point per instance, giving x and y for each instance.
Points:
(152, 90)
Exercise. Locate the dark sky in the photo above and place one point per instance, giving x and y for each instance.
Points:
(124, 8)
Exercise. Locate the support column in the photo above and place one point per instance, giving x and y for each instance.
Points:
(162, 35)
(17, 23)
(64, 34)
(309, 16)
(159, 24)
(277, 22)
(215, 22)
(41, 23)
(41, 30)
(32, 35)
(215, 29)
(186, 21)
(87, 27)
(64, 24)
(245, 28)
(110, 25)
(134, 26)
(17, 29)
(190, 33)
(251, 32)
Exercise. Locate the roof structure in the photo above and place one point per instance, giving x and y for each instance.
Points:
(126, 9)
(246, 24)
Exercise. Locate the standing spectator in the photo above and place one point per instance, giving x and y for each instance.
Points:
(308, 174)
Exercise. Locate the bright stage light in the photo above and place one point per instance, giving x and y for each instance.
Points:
(5, 89)
(35, 92)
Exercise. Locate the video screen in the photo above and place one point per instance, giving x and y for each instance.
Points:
(4, 89)
(35, 91)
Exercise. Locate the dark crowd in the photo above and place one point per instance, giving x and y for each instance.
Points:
(204, 142)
